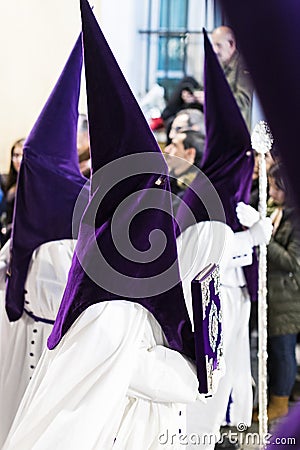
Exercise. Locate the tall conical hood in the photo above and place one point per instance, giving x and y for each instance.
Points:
(127, 242)
(228, 159)
(49, 180)
(120, 128)
(268, 34)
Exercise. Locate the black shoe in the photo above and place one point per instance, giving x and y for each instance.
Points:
(227, 443)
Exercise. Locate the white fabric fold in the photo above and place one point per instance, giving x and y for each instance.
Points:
(79, 397)
(22, 342)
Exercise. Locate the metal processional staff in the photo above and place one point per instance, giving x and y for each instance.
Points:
(262, 141)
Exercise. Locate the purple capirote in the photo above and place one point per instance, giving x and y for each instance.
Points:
(49, 180)
(227, 162)
(118, 129)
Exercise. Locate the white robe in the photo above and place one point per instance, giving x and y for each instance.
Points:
(22, 342)
(231, 251)
(109, 383)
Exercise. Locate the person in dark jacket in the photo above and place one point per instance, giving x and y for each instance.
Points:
(183, 97)
(235, 70)
(283, 296)
(283, 267)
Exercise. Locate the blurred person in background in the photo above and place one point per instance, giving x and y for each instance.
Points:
(283, 265)
(188, 119)
(236, 73)
(10, 189)
(83, 145)
(283, 295)
(182, 97)
(183, 157)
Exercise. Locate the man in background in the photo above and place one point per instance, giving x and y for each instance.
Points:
(237, 75)
(183, 157)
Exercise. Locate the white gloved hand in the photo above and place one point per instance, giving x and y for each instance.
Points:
(261, 231)
(247, 215)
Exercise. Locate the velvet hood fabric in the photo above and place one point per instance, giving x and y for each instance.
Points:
(126, 247)
(227, 163)
(49, 180)
(268, 35)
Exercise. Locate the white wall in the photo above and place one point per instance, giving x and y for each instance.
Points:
(120, 21)
(36, 39)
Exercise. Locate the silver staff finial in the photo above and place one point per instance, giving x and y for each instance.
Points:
(261, 138)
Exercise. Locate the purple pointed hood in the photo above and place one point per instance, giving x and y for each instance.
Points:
(228, 158)
(268, 35)
(49, 180)
(126, 247)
